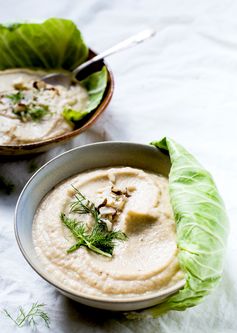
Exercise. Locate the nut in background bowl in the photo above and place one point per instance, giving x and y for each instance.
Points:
(74, 161)
(86, 122)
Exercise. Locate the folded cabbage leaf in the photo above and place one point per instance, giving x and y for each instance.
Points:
(95, 84)
(201, 227)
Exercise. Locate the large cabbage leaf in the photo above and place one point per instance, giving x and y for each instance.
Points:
(201, 226)
(55, 43)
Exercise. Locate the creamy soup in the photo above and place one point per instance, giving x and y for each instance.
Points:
(133, 201)
(31, 110)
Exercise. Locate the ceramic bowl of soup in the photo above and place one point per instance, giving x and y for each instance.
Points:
(96, 222)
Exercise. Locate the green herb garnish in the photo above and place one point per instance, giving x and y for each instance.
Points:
(38, 112)
(16, 98)
(99, 239)
(82, 205)
(31, 316)
(26, 111)
(31, 113)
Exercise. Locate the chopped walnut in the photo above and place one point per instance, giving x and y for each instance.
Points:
(113, 203)
(107, 210)
(108, 224)
(20, 107)
(39, 85)
(121, 192)
(20, 85)
(102, 204)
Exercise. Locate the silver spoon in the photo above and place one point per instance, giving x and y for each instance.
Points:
(66, 79)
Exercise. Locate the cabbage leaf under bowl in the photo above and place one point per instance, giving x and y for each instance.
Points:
(201, 226)
(54, 44)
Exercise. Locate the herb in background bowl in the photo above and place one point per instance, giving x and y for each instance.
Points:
(54, 45)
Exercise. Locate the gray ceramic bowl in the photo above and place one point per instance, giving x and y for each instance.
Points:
(70, 163)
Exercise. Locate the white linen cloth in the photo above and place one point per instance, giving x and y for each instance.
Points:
(182, 84)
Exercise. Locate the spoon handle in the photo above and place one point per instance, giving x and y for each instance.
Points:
(131, 41)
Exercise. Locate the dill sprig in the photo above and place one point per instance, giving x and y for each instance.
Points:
(31, 316)
(26, 111)
(16, 97)
(82, 205)
(34, 113)
(99, 239)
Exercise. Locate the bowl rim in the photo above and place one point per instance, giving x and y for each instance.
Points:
(107, 96)
(46, 276)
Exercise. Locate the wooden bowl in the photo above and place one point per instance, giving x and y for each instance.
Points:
(86, 122)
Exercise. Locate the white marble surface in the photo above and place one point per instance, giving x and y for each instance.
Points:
(183, 84)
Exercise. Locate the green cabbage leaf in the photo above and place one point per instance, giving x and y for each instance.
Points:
(201, 227)
(54, 44)
(95, 85)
